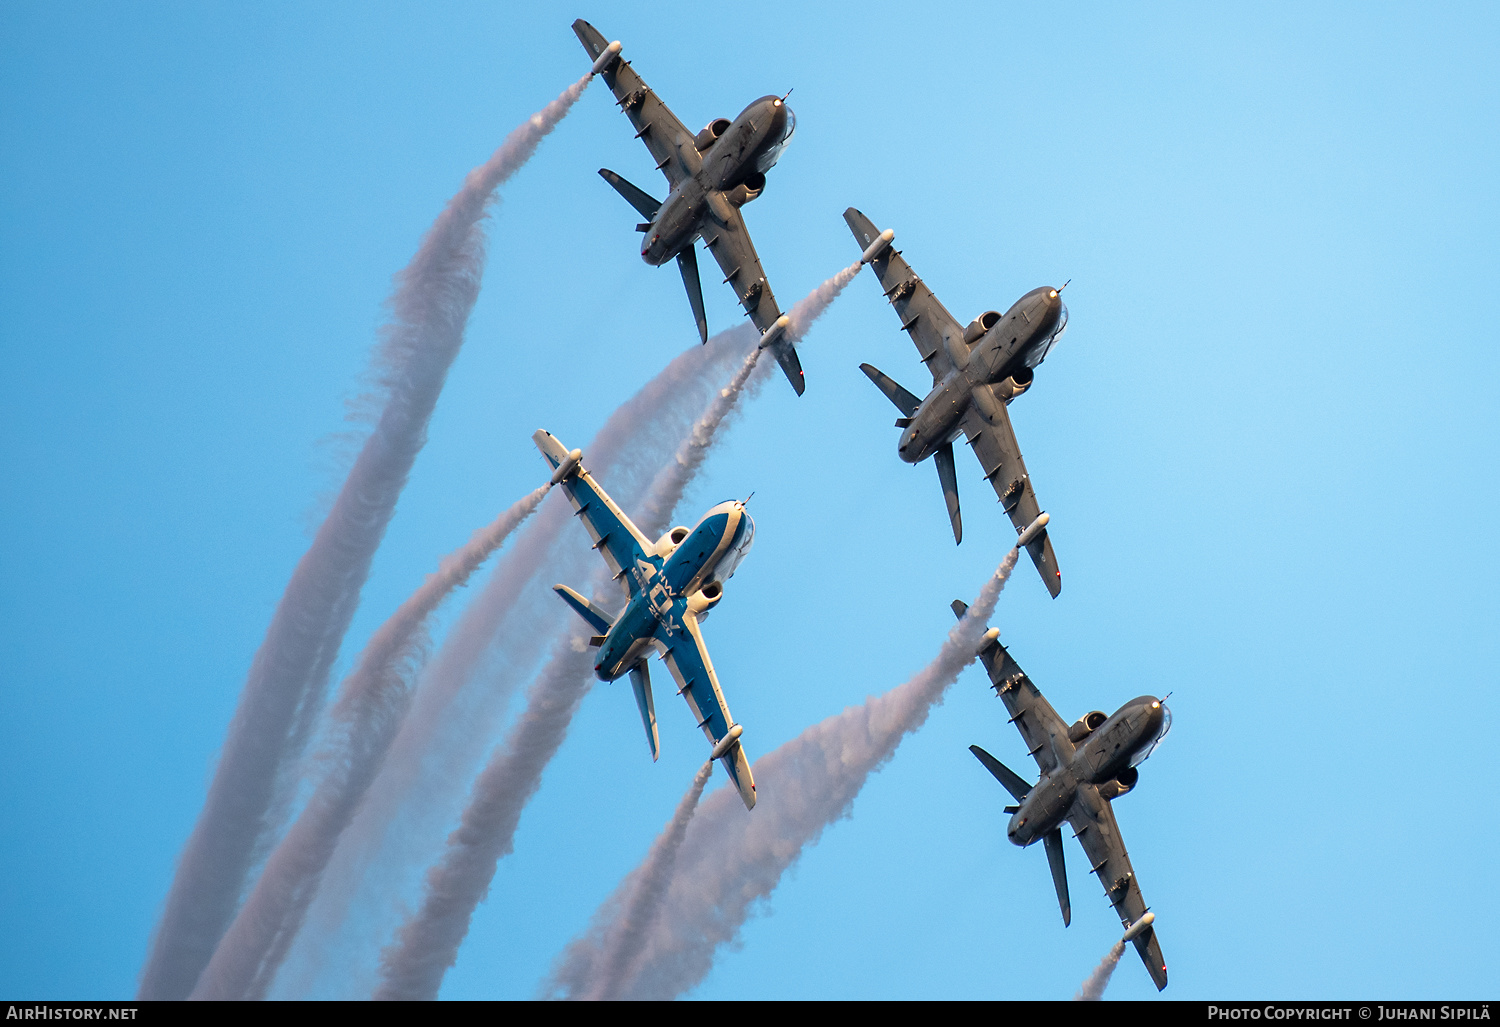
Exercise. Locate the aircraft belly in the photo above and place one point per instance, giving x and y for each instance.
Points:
(676, 225)
(627, 640)
(1045, 808)
(937, 424)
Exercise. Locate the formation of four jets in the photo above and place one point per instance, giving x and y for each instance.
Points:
(673, 583)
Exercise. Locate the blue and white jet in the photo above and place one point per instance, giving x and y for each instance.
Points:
(670, 586)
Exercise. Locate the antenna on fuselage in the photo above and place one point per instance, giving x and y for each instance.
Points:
(785, 95)
(1063, 286)
(747, 499)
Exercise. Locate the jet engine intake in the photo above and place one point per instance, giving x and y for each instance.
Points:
(705, 599)
(1086, 725)
(980, 325)
(710, 134)
(1120, 785)
(753, 185)
(1014, 385)
(668, 543)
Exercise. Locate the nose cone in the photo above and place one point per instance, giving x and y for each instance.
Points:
(1156, 714)
(781, 119)
(1057, 314)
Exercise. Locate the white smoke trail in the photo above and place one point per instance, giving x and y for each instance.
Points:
(416, 798)
(412, 967)
(1093, 988)
(251, 790)
(673, 479)
(811, 307)
(422, 786)
(732, 858)
(416, 792)
(372, 702)
(427, 945)
(612, 946)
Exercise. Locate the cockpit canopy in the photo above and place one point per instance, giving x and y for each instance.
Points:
(744, 538)
(1039, 352)
(773, 153)
(1146, 750)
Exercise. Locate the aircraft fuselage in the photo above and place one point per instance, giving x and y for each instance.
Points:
(998, 368)
(1098, 759)
(728, 171)
(684, 575)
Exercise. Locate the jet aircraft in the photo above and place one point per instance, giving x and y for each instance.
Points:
(710, 174)
(670, 587)
(976, 371)
(1084, 767)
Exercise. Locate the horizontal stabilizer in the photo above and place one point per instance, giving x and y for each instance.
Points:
(597, 618)
(635, 196)
(1014, 783)
(905, 401)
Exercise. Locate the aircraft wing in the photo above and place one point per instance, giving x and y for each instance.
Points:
(686, 657)
(655, 125)
(730, 244)
(1029, 710)
(994, 443)
(618, 540)
(1094, 824)
(935, 332)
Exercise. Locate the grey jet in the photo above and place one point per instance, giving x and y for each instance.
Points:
(976, 371)
(1084, 767)
(710, 174)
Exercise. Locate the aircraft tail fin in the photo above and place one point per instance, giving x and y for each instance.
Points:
(904, 401)
(1014, 783)
(640, 682)
(635, 196)
(737, 765)
(597, 618)
(948, 479)
(1053, 842)
(687, 263)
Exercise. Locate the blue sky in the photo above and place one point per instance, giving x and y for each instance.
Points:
(1267, 442)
